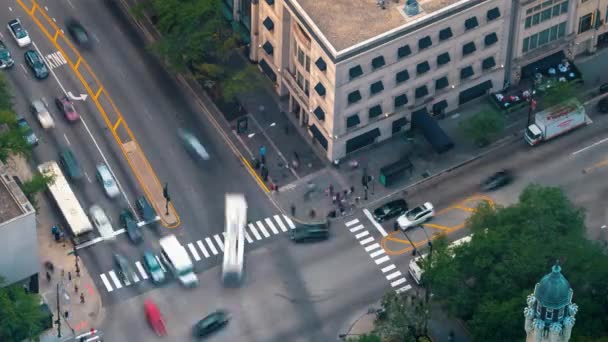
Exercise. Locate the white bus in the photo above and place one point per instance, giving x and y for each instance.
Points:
(174, 255)
(415, 266)
(234, 244)
(76, 218)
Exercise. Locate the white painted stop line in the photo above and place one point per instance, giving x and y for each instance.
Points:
(106, 282)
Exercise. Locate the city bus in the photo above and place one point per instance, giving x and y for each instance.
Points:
(234, 244)
(77, 220)
(415, 265)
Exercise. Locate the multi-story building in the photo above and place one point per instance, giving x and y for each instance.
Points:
(591, 27)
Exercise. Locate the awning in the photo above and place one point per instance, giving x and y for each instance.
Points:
(426, 125)
(421, 92)
(316, 133)
(352, 120)
(398, 124)
(423, 67)
(375, 111)
(474, 92)
(268, 24)
(466, 72)
(441, 83)
(319, 113)
(268, 48)
(542, 64)
(320, 63)
(439, 107)
(443, 58)
(320, 89)
(268, 70)
(376, 87)
(362, 140)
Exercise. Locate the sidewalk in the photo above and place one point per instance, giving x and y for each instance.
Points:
(81, 316)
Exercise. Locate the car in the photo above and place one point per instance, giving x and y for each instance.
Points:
(152, 265)
(193, 145)
(125, 271)
(211, 323)
(36, 64)
(39, 109)
(145, 209)
(70, 165)
(101, 222)
(390, 210)
(416, 216)
(66, 106)
(127, 221)
(78, 33)
(309, 232)
(602, 105)
(19, 33)
(6, 59)
(497, 180)
(26, 130)
(104, 176)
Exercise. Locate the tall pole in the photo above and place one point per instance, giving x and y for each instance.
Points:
(58, 321)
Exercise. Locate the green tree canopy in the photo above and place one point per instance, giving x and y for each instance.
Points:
(6, 98)
(484, 126)
(20, 314)
(558, 93)
(12, 139)
(402, 318)
(486, 282)
(365, 338)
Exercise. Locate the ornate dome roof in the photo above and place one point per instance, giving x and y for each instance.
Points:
(553, 290)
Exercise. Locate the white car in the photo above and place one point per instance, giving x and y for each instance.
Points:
(416, 216)
(19, 33)
(193, 144)
(104, 176)
(101, 222)
(39, 109)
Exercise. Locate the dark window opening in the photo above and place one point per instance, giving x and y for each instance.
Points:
(378, 62)
(490, 39)
(441, 83)
(354, 97)
(425, 43)
(468, 48)
(355, 72)
(421, 92)
(446, 33)
(402, 76)
(404, 51)
(376, 87)
(352, 121)
(494, 13)
(488, 63)
(423, 68)
(444, 58)
(375, 111)
(466, 72)
(320, 89)
(471, 23)
(400, 100)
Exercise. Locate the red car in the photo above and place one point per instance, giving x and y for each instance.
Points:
(154, 317)
(66, 107)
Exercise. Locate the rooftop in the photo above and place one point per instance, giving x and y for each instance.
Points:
(13, 202)
(349, 22)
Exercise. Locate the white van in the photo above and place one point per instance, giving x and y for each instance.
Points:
(174, 255)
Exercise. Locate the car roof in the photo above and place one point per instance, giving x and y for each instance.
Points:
(39, 105)
(104, 170)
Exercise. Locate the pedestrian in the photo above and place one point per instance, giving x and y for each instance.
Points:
(331, 190)
(352, 189)
(263, 154)
(48, 276)
(66, 314)
(312, 213)
(296, 157)
(82, 297)
(293, 210)
(62, 273)
(77, 271)
(345, 193)
(69, 276)
(338, 197)
(75, 287)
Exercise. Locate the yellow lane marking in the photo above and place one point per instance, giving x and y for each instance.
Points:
(30, 12)
(117, 123)
(252, 171)
(98, 92)
(77, 63)
(56, 35)
(437, 226)
(595, 166)
(463, 208)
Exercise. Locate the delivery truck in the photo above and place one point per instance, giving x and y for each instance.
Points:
(555, 121)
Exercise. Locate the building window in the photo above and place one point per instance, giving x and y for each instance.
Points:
(545, 15)
(444, 58)
(400, 101)
(404, 51)
(565, 7)
(561, 30)
(301, 56)
(320, 63)
(424, 43)
(528, 22)
(422, 68)
(402, 76)
(421, 92)
(471, 23)
(270, 2)
(488, 63)
(525, 45)
(320, 89)
(547, 3)
(319, 113)
(375, 111)
(468, 48)
(355, 72)
(445, 34)
(549, 314)
(307, 67)
(352, 121)
(376, 87)
(556, 10)
(466, 72)
(268, 48)
(584, 23)
(493, 14)
(441, 83)
(378, 62)
(544, 37)
(490, 39)
(354, 97)
(268, 24)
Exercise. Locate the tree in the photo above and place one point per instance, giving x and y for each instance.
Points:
(365, 338)
(37, 183)
(6, 98)
(12, 139)
(486, 282)
(20, 314)
(558, 93)
(398, 321)
(482, 127)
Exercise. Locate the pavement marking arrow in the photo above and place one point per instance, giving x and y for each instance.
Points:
(82, 97)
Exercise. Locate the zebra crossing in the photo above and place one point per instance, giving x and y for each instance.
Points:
(377, 253)
(204, 249)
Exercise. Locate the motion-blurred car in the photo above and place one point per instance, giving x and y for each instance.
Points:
(27, 131)
(36, 64)
(309, 233)
(104, 176)
(6, 59)
(416, 216)
(193, 145)
(66, 107)
(497, 180)
(211, 323)
(101, 222)
(125, 271)
(39, 109)
(19, 33)
(145, 209)
(78, 33)
(152, 265)
(602, 105)
(390, 210)
(127, 221)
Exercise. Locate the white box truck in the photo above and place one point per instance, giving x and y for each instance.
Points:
(174, 255)
(555, 121)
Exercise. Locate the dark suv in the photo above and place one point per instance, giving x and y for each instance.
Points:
(310, 232)
(390, 210)
(145, 209)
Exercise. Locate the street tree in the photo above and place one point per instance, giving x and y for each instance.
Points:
(485, 282)
(559, 93)
(34, 185)
(12, 139)
(365, 338)
(20, 314)
(6, 97)
(483, 127)
(399, 320)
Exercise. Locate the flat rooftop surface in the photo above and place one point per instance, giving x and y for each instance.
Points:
(9, 209)
(348, 22)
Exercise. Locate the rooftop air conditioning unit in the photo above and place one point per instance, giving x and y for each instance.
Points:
(411, 8)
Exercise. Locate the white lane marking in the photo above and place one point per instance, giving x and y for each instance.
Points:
(588, 147)
(388, 268)
(194, 252)
(403, 289)
(376, 224)
(46, 8)
(289, 222)
(95, 37)
(24, 69)
(10, 9)
(162, 267)
(382, 260)
(398, 282)
(71, 4)
(106, 282)
(141, 270)
(263, 229)
(372, 247)
(254, 231)
(354, 229)
(211, 246)
(66, 139)
(247, 237)
(350, 223)
(54, 20)
(271, 225)
(393, 275)
(376, 253)
(219, 241)
(200, 245)
(88, 178)
(366, 241)
(277, 218)
(114, 278)
(362, 234)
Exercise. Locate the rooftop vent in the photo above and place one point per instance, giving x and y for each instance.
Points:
(411, 8)
(381, 3)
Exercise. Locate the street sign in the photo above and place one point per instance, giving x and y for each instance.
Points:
(241, 125)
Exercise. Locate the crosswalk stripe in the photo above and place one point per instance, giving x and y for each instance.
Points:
(262, 229)
(382, 260)
(271, 225)
(255, 232)
(372, 247)
(106, 282)
(289, 222)
(350, 223)
(403, 289)
(366, 241)
(114, 278)
(141, 270)
(211, 246)
(162, 267)
(376, 253)
(219, 241)
(393, 275)
(398, 282)
(388, 268)
(354, 229)
(193, 252)
(202, 248)
(362, 234)
(247, 237)
(135, 278)
(280, 223)
(126, 281)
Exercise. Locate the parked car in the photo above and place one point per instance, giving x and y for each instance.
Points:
(145, 209)
(416, 216)
(602, 105)
(309, 233)
(66, 107)
(78, 33)
(125, 271)
(101, 222)
(211, 323)
(19, 33)
(152, 265)
(6, 59)
(36, 64)
(104, 176)
(497, 180)
(390, 210)
(39, 109)
(193, 145)
(127, 221)
(27, 131)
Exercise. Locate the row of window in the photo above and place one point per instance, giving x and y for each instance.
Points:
(545, 4)
(546, 14)
(544, 37)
